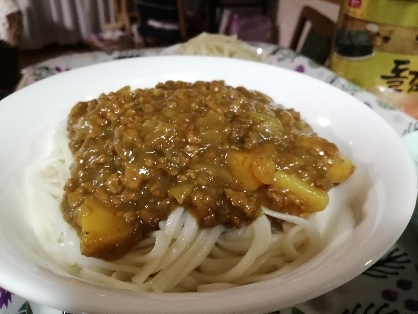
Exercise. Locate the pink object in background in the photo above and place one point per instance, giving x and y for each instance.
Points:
(255, 28)
(251, 28)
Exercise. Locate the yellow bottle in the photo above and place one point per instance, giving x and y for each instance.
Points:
(376, 47)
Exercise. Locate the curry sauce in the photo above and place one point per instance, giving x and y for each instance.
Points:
(220, 152)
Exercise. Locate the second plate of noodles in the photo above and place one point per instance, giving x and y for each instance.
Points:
(219, 46)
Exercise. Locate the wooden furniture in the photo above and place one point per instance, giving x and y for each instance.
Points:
(123, 16)
(128, 13)
(160, 12)
(268, 8)
(318, 41)
(9, 48)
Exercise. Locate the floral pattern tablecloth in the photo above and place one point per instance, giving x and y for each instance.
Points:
(389, 286)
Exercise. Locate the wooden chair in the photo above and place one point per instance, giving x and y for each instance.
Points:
(123, 16)
(172, 11)
(318, 41)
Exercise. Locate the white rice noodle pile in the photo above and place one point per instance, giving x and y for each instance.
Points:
(178, 257)
(219, 45)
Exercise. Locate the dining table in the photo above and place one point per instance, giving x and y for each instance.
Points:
(388, 286)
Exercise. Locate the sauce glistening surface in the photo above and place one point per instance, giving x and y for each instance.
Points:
(220, 152)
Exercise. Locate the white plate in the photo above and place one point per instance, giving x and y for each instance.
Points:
(379, 198)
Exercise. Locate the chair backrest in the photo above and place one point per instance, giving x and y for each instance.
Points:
(318, 41)
(123, 17)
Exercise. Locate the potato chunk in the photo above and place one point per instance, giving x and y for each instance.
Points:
(251, 169)
(316, 199)
(264, 169)
(341, 169)
(104, 233)
(240, 164)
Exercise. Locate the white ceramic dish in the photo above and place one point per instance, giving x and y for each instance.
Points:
(411, 142)
(365, 217)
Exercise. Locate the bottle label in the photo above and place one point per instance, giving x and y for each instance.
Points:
(376, 47)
